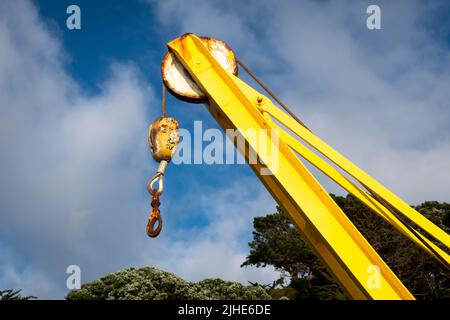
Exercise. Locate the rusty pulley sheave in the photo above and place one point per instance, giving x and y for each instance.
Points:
(180, 83)
(163, 138)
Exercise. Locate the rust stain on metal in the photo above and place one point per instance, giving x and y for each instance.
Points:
(163, 137)
(154, 218)
(178, 81)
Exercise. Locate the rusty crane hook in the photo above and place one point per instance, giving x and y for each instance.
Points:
(154, 217)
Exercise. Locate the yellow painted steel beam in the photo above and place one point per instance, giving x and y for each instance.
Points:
(345, 252)
(364, 197)
(358, 174)
(350, 186)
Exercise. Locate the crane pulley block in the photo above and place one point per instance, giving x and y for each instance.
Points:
(163, 138)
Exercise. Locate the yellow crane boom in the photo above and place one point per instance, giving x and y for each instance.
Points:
(352, 261)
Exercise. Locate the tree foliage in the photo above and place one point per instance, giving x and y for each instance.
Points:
(10, 294)
(277, 242)
(149, 283)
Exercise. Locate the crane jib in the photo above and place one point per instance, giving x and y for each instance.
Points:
(346, 253)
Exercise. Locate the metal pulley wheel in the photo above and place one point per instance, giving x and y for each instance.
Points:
(180, 83)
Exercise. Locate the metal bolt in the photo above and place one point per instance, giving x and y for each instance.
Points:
(259, 99)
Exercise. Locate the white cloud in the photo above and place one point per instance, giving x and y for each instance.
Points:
(73, 167)
(218, 248)
(73, 170)
(379, 97)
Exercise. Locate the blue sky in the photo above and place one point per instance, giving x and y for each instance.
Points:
(75, 107)
(113, 32)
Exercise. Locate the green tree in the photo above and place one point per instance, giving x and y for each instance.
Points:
(9, 294)
(277, 242)
(149, 283)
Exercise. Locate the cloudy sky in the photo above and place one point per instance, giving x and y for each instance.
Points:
(75, 106)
